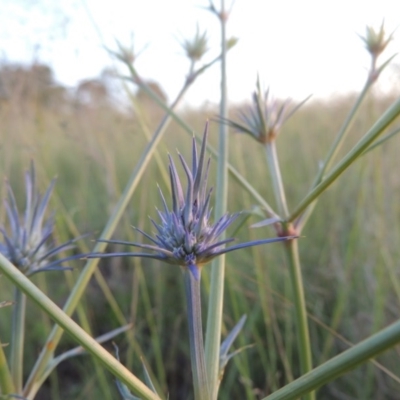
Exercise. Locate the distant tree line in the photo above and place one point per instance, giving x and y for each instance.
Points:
(24, 85)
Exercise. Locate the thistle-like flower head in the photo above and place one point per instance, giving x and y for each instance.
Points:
(27, 244)
(264, 118)
(185, 235)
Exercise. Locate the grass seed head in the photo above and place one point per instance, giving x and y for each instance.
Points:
(196, 48)
(264, 119)
(376, 40)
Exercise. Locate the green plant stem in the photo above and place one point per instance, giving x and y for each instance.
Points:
(17, 340)
(333, 151)
(76, 352)
(273, 166)
(340, 364)
(216, 296)
(71, 277)
(303, 335)
(66, 323)
(386, 119)
(84, 278)
(192, 76)
(337, 144)
(193, 300)
(292, 252)
(382, 140)
(6, 382)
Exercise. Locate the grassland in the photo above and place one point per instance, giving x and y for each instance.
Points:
(349, 248)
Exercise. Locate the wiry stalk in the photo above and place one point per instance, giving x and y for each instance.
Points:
(339, 365)
(292, 252)
(6, 382)
(333, 151)
(277, 184)
(193, 304)
(303, 335)
(17, 340)
(375, 43)
(377, 129)
(214, 318)
(337, 144)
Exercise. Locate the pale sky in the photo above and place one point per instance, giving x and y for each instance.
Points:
(297, 47)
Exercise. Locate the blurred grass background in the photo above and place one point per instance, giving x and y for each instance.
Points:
(349, 250)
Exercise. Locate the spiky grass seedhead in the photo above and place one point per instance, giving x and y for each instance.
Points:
(28, 243)
(196, 48)
(185, 235)
(125, 53)
(264, 118)
(376, 40)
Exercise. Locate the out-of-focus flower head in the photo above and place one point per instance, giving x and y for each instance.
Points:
(28, 243)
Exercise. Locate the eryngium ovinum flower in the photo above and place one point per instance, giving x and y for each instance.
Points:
(28, 245)
(185, 236)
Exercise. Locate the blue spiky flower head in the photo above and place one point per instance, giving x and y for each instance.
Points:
(28, 243)
(185, 235)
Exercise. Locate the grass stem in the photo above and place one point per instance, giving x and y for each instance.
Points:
(303, 335)
(216, 297)
(377, 129)
(193, 300)
(292, 251)
(6, 382)
(273, 166)
(333, 151)
(17, 339)
(340, 364)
